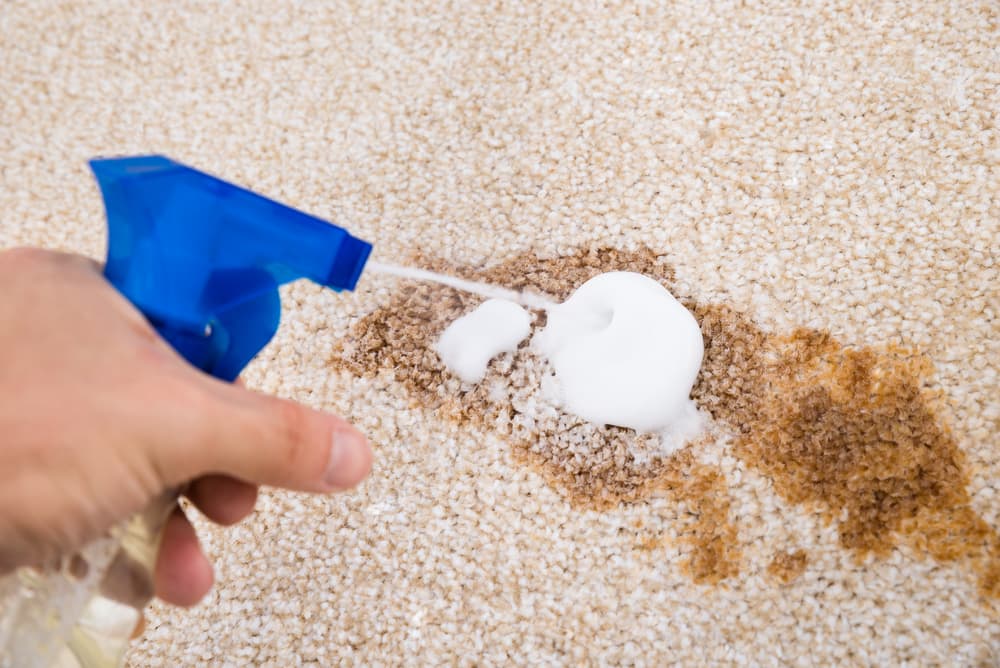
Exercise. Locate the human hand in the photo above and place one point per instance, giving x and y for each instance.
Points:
(98, 415)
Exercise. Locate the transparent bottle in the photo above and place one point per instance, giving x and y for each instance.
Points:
(82, 612)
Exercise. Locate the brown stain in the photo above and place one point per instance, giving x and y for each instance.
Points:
(787, 566)
(707, 535)
(595, 467)
(848, 430)
(712, 538)
(397, 338)
(600, 477)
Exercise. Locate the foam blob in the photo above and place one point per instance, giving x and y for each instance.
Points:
(468, 344)
(625, 352)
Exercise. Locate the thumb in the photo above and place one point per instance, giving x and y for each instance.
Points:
(268, 441)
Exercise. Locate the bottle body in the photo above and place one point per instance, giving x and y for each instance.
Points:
(82, 612)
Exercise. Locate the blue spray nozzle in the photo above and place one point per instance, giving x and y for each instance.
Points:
(203, 258)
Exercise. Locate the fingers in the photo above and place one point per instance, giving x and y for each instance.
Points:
(222, 499)
(269, 441)
(183, 574)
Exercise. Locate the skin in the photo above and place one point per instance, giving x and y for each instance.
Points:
(99, 415)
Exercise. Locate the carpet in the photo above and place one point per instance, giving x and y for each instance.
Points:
(817, 181)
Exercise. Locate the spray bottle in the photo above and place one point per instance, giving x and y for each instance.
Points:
(202, 259)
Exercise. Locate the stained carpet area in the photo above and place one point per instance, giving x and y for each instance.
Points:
(818, 182)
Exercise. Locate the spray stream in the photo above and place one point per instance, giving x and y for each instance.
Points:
(529, 300)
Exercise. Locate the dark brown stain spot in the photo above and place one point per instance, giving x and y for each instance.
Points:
(787, 566)
(849, 430)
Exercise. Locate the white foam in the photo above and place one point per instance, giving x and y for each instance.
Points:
(626, 353)
(468, 344)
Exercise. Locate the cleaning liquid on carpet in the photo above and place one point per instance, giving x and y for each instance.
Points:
(469, 343)
(624, 352)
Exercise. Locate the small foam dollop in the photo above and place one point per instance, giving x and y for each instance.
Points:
(625, 353)
(468, 344)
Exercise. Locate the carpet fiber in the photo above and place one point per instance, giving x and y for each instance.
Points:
(819, 182)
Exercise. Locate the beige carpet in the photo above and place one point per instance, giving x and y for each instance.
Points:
(780, 165)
